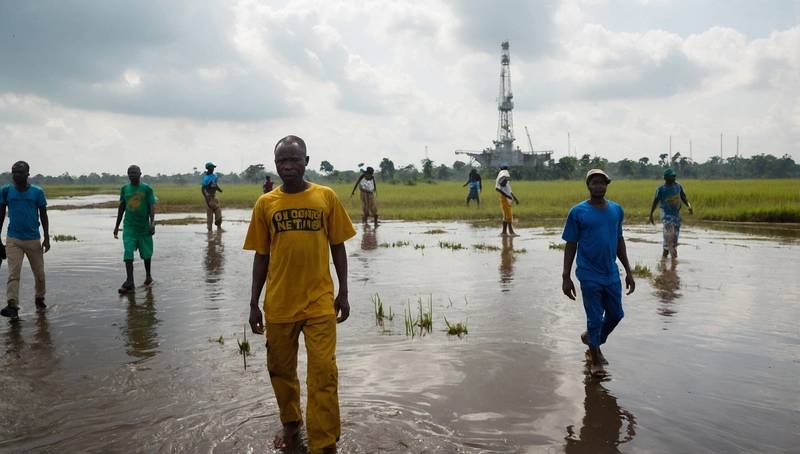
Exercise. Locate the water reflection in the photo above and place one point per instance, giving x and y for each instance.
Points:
(667, 284)
(605, 427)
(369, 239)
(42, 341)
(507, 260)
(214, 262)
(141, 337)
(14, 340)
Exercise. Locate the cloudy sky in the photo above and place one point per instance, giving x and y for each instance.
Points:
(94, 86)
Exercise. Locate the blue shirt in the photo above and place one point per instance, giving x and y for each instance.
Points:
(597, 231)
(669, 196)
(208, 180)
(23, 210)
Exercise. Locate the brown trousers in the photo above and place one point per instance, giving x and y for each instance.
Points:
(15, 251)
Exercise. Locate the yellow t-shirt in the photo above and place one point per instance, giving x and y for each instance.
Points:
(296, 231)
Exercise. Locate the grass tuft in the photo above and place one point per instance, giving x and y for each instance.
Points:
(244, 347)
(558, 246)
(453, 246)
(65, 238)
(642, 270)
(434, 231)
(456, 329)
(485, 247)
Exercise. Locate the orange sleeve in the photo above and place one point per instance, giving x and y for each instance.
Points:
(258, 233)
(340, 227)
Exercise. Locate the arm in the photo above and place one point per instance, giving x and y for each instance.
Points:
(260, 266)
(341, 304)
(45, 228)
(120, 212)
(2, 221)
(653, 208)
(567, 286)
(205, 195)
(683, 199)
(622, 253)
(152, 215)
(514, 198)
(356, 185)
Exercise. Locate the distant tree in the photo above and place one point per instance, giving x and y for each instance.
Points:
(326, 167)
(254, 173)
(443, 172)
(387, 169)
(458, 166)
(427, 168)
(663, 160)
(566, 167)
(626, 168)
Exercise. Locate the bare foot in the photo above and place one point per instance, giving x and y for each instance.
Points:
(285, 438)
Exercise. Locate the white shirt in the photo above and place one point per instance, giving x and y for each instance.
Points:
(367, 185)
(504, 189)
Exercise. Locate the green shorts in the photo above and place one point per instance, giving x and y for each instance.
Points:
(142, 242)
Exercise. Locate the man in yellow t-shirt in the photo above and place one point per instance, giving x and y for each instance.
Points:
(291, 231)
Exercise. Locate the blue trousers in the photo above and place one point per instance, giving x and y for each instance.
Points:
(603, 306)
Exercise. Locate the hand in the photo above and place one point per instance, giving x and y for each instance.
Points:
(342, 307)
(116, 232)
(630, 284)
(152, 228)
(2, 251)
(691, 211)
(46, 243)
(650, 219)
(256, 320)
(568, 287)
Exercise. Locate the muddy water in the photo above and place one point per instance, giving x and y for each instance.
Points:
(707, 358)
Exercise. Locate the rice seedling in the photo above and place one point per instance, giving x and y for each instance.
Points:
(642, 270)
(434, 231)
(387, 245)
(221, 340)
(419, 246)
(456, 329)
(520, 251)
(400, 244)
(409, 321)
(65, 238)
(485, 247)
(380, 315)
(453, 246)
(244, 347)
(425, 318)
(558, 246)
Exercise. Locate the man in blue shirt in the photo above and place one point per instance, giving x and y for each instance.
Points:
(209, 190)
(26, 204)
(593, 231)
(670, 195)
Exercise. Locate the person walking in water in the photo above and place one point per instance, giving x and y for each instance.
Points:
(369, 189)
(209, 190)
(671, 197)
(26, 205)
(294, 231)
(267, 186)
(593, 231)
(503, 186)
(137, 202)
(475, 187)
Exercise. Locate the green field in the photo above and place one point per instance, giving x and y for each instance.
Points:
(542, 201)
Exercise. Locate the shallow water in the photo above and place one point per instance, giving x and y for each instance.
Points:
(707, 358)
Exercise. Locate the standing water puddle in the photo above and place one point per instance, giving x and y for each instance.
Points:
(706, 359)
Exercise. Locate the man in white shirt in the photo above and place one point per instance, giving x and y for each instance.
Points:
(368, 188)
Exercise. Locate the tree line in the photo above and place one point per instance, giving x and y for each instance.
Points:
(568, 167)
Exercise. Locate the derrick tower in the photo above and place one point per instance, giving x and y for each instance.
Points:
(505, 102)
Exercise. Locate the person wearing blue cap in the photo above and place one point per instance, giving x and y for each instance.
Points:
(670, 196)
(209, 190)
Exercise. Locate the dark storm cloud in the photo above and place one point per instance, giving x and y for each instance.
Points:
(528, 25)
(76, 53)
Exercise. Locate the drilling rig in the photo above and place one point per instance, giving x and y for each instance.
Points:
(503, 150)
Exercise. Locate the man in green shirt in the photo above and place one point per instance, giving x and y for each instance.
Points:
(136, 201)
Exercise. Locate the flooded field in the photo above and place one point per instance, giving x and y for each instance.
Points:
(707, 358)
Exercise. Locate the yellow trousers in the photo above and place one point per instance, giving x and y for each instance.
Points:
(505, 205)
(322, 409)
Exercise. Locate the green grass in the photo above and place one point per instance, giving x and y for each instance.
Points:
(64, 238)
(244, 347)
(485, 247)
(419, 246)
(640, 270)
(456, 329)
(558, 246)
(380, 315)
(434, 231)
(452, 245)
(395, 244)
(543, 202)
(421, 324)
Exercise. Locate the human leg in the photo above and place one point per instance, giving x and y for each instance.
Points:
(35, 254)
(612, 308)
(282, 345)
(322, 413)
(14, 255)
(146, 253)
(364, 206)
